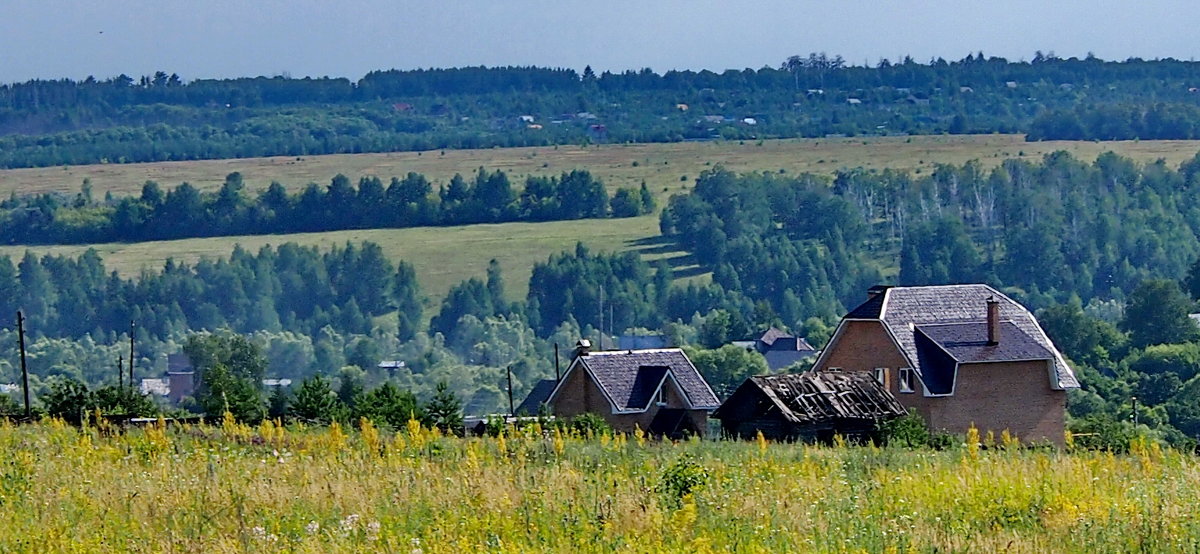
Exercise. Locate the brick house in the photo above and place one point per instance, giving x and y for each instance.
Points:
(958, 355)
(657, 390)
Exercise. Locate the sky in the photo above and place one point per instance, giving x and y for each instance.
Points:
(51, 39)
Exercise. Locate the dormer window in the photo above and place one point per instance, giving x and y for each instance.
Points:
(660, 398)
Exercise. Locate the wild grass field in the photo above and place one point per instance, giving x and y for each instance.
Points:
(233, 488)
(665, 167)
(441, 256)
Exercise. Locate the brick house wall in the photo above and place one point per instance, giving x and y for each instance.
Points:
(1013, 396)
(994, 396)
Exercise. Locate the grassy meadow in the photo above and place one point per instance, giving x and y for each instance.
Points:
(622, 165)
(233, 488)
(441, 256)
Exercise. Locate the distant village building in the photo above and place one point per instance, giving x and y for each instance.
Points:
(656, 390)
(779, 348)
(810, 406)
(155, 387)
(959, 355)
(181, 377)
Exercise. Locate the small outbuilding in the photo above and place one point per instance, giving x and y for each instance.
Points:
(810, 406)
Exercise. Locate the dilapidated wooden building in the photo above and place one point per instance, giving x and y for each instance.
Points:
(810, 406)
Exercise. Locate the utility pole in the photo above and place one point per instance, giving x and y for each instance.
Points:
(557, 376)
(24, 368)
(120, 372)
(511, 409)
(601, 317)
(131, 355)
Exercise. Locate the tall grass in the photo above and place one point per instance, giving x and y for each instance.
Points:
(236, 488)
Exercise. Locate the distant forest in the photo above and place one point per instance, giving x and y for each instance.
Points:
(162, 117)
(185, 211)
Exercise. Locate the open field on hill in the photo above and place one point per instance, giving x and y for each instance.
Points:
(660, 165)
(266, 489)
(442, 256)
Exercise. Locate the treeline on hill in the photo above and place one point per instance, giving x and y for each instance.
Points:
(162, 117)
(185, 212)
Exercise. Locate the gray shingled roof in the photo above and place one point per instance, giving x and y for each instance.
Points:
(901, 309)
(968, 342)
(624, 375)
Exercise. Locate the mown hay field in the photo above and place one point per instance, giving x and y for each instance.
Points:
(265, 489)
(441, 256)
(665, 167)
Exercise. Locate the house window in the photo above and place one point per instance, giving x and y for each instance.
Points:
(833, 369)
(881, 375)
(660, 398)
(906, 379)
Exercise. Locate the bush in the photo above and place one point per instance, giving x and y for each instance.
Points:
(908, 431)
(680, 479)
(590, 424)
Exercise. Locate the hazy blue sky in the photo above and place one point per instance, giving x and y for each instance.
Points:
(221, 38)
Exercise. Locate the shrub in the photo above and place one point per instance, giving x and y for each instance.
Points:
(908, 431)
(589, 424)
(680, 479)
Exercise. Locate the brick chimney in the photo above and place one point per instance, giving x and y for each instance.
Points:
(993, 321)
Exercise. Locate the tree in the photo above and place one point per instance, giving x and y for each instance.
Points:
(725, 368)
(315, 401)
(1157, 313)
(444, 410)
(389, 406)
(230, 370)
(225, 391)
(68, 399)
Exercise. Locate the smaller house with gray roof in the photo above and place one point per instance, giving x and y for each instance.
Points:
(958, 355)
(657, 390)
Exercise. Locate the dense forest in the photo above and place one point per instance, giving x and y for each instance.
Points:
(164, 117)
(184, 211)
(1105, 250)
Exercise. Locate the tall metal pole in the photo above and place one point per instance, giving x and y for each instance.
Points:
(557, 376)
(120, 372)
(24, 368)
(131, 355)
(511, 409)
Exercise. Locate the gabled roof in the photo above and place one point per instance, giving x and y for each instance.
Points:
(629, 378)
(902, 309)
(771, 335)
(538, 396)
(817, 397)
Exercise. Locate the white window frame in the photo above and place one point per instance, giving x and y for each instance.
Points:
(905, 378)
(881, 375)
(660, 398)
